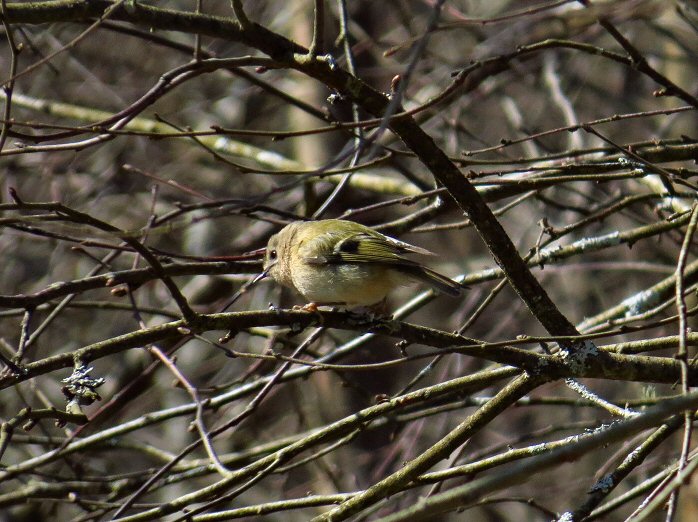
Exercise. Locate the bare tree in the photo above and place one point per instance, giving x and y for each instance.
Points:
(544, 150)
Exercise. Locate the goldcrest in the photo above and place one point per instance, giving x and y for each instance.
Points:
(338, 262)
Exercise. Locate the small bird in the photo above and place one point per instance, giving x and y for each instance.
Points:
(339, 262)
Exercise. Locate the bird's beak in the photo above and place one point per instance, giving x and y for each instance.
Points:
(261, 276)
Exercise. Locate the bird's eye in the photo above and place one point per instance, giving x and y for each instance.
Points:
(272, 255)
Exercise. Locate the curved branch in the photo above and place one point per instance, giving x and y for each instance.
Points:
(611, 366)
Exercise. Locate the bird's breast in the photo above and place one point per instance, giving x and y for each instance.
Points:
(350, 284)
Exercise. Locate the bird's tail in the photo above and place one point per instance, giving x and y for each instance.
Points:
(434, 279)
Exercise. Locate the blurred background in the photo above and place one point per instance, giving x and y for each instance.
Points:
(209, 163)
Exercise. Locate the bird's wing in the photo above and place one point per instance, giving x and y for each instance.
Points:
(371, 248)
(359, 247)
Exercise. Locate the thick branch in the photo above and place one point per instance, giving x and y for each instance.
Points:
(611, 366)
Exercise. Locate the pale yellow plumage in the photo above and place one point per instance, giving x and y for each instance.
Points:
(340, 262)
